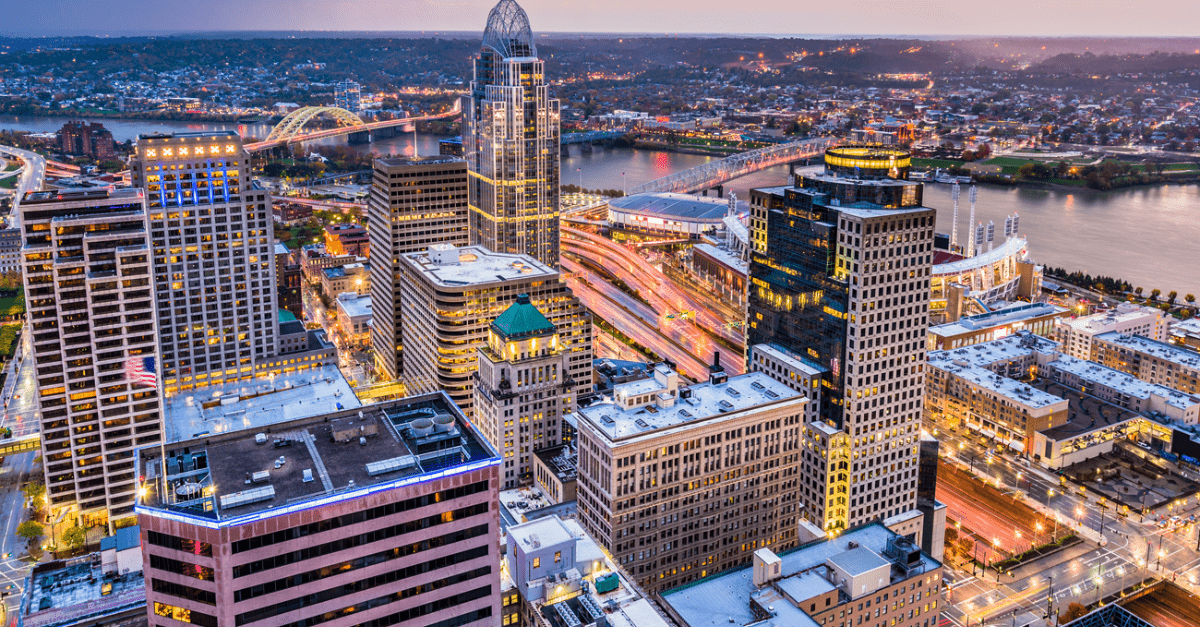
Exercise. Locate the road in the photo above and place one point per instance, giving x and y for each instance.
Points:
(1132, 549)
(13, 569)
(32, 177)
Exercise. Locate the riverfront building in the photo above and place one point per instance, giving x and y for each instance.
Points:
(840, 269)
(414, 204)
(91, 312)
(510, 134)
(450, 297)
(1038, 318)
(213, 250)
(1152, 361)
(1077, 334)
(679, 483)
(375, 516)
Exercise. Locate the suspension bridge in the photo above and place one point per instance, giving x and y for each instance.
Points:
(717, 173)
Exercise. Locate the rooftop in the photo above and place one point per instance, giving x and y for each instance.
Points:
(683, 206)
(794, 360)
(859, 561)
(985, 354)
(74, 591)
(341, 455)
(729, 598)
(258, 403)
(1085, 414)
(561, 459)
(355, 305)
(1000, 317)
(1166, 352)
(1106, 321)
(1124, 383)
(723, 255)
(477, 266)
(76, 195)
(396, 162)
(704, 401)
(1019, 392)
(521, 320)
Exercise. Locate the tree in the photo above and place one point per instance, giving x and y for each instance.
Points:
(1154, 293)
(74, 537)
(1074, 610)
(1191, 299)
(1171, 296)
(29, 530)
(1138, 291)
(34, 491)
(966, 544)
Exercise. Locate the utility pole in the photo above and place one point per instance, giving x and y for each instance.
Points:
(1050, 597)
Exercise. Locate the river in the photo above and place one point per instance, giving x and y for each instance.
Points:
(1148, 236)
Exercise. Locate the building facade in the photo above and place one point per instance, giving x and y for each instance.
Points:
(414, 204)
(90, 298)
(90, 140)
(450, 297)
(678, 483)
(347, 239)
(522, 389)
(1152, 361)
(214, 269)
(376, 516)
(839, 273)
(1077, 334)
(287, 281)
(1037, 318)
(510, 135)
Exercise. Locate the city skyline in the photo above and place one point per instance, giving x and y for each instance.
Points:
(1021, 18)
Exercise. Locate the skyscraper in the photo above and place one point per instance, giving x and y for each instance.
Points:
(213, 243)
(511, 142)
(522, 388)
(91, 309)
(414, 204)
(839, 271)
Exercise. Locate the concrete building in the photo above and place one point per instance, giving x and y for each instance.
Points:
(510, 132)
(351, 277)
(840, 266)
(1015, 356)
(557, 575)
(287, 282)
(348, 95)
(1169, 365)
(1093, 426)
(1037, 318)
(719, 458)
(354, 318)
(414, 204)
(89, 294)
(1076, 335)
(83, 592)
(556, 472)
(90, 140)
(289, 213)
(10, 250)
(214, 269)
(522, 388)
(1183, 332)
(1124, 390)
(869, 576)
(452, 296)
(933, 536)
(374, 516)
(792, 370)
(347, 239)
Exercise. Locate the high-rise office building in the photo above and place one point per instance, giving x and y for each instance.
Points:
(522, 390)
(679, 483)
(89, 293)
(450, 297)
(511, 142)
(213, 248)
(348, 95)
(414, 204)
(382, 515)
(839, 271)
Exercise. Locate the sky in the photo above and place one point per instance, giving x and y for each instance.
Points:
(1102, 18)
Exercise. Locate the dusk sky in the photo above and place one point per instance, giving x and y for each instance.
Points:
(920, 17)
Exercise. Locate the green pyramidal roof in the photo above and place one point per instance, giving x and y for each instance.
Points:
(522, 319)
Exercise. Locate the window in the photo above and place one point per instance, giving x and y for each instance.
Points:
(537, 562)
(557, 556)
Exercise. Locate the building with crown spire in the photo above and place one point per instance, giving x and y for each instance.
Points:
(511, 142)
(522, 388)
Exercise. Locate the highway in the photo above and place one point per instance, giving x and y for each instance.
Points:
(32, 177)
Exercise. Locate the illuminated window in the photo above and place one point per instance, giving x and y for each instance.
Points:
(537, 562)
(167, 152)
(151, 153)
(229, 149)
(183, 152)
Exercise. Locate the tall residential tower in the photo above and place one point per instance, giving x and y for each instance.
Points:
(511, 142)
(213, 248)
(840, 271)
(91, 312)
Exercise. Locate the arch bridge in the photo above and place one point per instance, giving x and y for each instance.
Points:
(288, 131)
(290, 126)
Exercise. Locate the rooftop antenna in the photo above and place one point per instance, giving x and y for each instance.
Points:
(954, 192)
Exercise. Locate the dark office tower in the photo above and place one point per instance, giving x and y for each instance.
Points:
(214, 267)
(91, 309)
(414, 204)
(511, 142)
(840, 272)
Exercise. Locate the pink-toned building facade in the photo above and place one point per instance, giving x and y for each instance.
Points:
(385, 516)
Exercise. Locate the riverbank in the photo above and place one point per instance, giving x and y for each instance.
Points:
(155, 116)
(720, 152)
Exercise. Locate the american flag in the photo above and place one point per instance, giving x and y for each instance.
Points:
(140, 371)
